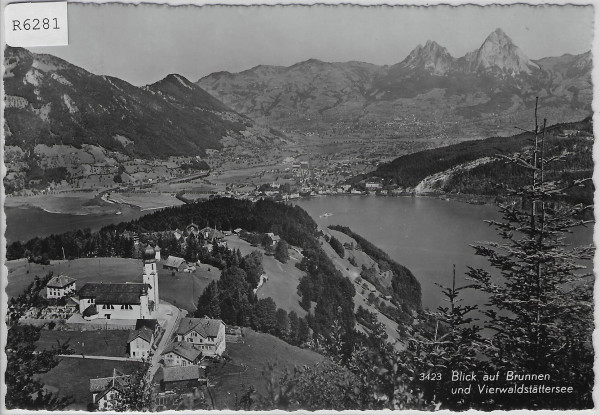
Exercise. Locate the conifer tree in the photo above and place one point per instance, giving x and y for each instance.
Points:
(540, 304)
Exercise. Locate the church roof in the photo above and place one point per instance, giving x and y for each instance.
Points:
(90, 311)
(149, 252)
(114, 293)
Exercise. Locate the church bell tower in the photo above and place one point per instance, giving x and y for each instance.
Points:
(150, 276)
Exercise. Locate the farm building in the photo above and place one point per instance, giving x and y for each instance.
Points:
(60, 286)
(173, 263)
(205, 333)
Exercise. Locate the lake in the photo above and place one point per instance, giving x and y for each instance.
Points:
(25, 222)
(426, 235)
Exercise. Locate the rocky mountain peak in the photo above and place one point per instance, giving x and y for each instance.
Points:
(432, 58)
(499, 52)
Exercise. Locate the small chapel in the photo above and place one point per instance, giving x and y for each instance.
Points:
(128, 300)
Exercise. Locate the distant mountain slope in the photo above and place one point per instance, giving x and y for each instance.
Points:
(471, 167)
(300, 92)
(50, 101)
(430, 92)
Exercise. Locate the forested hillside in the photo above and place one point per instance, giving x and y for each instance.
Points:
(488, 174)
(324, 290)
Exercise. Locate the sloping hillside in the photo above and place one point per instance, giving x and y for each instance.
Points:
(473, 168)
(50, 101)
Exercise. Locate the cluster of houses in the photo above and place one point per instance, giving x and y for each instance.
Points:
(182, 372)
(180, 375)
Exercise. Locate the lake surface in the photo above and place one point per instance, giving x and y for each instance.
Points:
(24, 222)
(426, 235)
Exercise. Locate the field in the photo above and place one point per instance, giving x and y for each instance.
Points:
(72, 376)
(90, 343)
(249, 360)
(283, 278)
(181, 289)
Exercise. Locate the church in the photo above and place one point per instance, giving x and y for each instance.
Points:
(127, 301)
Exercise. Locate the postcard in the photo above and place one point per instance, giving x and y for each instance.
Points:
(298, 207)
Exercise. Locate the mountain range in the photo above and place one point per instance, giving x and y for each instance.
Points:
(50, 101)
(429, 92)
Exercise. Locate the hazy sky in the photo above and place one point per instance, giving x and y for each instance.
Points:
(142, 44)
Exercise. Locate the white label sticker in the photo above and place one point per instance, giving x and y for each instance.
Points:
(36, 24)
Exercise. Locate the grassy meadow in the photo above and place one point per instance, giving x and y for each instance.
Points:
(248, 361)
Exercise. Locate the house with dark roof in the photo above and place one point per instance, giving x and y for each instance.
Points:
(150, 323)
(60, 286)
(181, 354)
(205, 333)
(173, 263)
(180, 378)
(140, 342)
(114, 301)
(105, 390)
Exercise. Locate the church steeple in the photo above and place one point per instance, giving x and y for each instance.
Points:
(150, 275)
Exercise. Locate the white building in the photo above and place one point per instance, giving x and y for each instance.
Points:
(127, 301)
(140, 343)
(204, 333)
(60, 286)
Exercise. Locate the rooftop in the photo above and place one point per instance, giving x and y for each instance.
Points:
(206, 327)
(183, 349)
(146, 322)
(182, 373)
(114, 293)
(60, 281)
(144, 333)
(174, 261)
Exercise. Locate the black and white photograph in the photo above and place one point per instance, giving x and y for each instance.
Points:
(297, 207)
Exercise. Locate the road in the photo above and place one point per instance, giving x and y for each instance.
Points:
(168, 316)
(122, 359)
